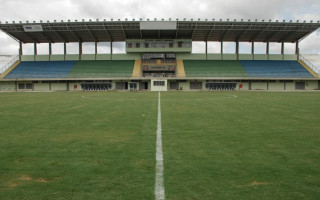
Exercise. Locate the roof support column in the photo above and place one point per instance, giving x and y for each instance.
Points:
(35, 51)
(297, 50)
(50, 51)
(221, 50)
(95, 50)
(20, 50)
(237, 49)
(80, 50)
(267, 49)
(252, 50)
(64, 50)
(206, 50)
(282, 50)
(111, 50)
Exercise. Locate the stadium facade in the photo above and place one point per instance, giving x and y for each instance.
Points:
(159, 56)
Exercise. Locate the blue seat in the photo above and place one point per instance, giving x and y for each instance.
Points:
(41, 69)
(276, 69)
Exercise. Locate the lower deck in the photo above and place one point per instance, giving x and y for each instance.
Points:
(159, 85)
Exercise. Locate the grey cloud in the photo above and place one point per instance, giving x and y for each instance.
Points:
(22, 10)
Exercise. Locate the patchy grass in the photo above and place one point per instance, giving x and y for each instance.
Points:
(64, 146)
(217, 145)
(255, 145)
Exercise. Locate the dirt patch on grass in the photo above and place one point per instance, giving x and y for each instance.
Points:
(11, 186)
(254, 183)
(29, 178)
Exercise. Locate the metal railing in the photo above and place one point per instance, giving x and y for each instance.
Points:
(129, 75)
(66, 75)
(251, 75)
(309, 64)
(9, 64)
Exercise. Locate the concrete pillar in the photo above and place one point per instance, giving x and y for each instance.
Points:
(20, 50)
(64, 50)
(252, 50)
(282, 50)
(50, 51)
(237, 49)
(111, 50)
(80, 50)
(206, 50)
(35, 51)
(267, 49)
(221, 50)
(95, 50)
(297, 50)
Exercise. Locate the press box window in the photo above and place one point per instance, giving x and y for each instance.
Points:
(29, 86)
(21, 86)
(137, 45)
(158, 83)
(129, 45)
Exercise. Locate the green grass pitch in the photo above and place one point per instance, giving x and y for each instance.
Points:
(216, 145)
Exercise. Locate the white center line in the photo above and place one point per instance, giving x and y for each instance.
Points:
(159, 186)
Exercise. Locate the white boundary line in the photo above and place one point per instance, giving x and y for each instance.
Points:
(159, 186)
(214, 98)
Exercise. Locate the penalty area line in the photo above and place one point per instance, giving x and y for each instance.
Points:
(159, 185)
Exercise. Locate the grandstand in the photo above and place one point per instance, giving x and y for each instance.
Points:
(159, 57)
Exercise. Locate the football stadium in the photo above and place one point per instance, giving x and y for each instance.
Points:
(159, 121)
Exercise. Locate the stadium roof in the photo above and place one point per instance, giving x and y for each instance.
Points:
(106, 31)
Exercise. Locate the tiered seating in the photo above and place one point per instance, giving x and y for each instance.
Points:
(192, 68)
(100, 69)
(72, 69)
(214, 68)
(277, 69)
(41, 69)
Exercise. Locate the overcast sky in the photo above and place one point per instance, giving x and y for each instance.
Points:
(36, 10)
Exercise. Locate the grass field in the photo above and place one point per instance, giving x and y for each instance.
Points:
(216, 145)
